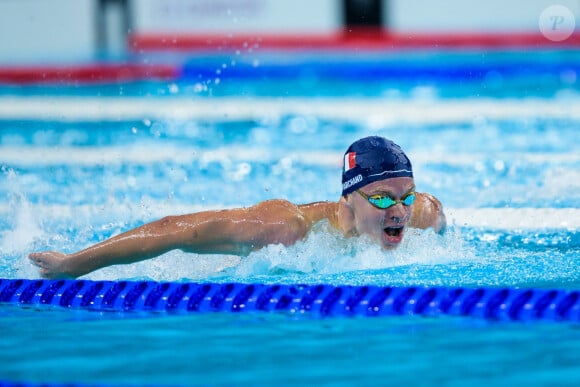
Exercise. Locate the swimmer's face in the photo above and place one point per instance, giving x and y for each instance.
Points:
(386, 226)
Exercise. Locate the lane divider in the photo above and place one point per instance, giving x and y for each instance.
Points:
(318, 301)
(444, 67)
(85, 74)
(375, 112)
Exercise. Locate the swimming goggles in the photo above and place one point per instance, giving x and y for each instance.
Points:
(383, 202)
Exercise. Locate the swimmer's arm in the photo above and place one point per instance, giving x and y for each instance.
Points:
(428, 213)
(236, 231)
(141, 243)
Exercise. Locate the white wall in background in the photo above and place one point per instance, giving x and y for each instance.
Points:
(47, 30)
(475, 16)
(237, 16)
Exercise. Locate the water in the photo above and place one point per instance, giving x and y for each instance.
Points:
(79, 165)
(165, 350)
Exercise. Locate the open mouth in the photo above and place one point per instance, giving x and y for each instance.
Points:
(394, 231)
(393, 235)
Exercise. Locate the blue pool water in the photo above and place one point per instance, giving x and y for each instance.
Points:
(500, 148)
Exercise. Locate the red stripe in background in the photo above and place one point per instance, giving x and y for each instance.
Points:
(348, 40)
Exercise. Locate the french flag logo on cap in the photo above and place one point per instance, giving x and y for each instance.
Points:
(349, 161)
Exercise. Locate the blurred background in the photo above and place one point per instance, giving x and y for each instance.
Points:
(114, 113)
(49, 31)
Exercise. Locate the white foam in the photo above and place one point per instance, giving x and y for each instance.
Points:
(23, 231)
(375, 111)
(340, 255)
(172, 266)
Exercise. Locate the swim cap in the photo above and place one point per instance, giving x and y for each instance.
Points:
(372, 159)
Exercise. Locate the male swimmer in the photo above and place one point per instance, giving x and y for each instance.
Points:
(378, 200)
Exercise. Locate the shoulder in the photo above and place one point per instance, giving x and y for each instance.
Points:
(296, 219)
(317, 211)
(311, 212)
(276, 221)
(428, 213)
(275, 208)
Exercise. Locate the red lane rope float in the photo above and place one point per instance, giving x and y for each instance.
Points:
(318, 301)
(86, 74)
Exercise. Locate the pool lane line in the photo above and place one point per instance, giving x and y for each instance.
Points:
(375, 112)
(313, 301)
(206, 69)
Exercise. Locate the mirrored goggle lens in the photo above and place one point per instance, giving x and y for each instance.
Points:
(382, 201)
(409, 199)
(385, 202)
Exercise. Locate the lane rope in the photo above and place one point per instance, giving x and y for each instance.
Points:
(318, 301)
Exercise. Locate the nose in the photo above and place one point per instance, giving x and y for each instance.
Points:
(398, 214)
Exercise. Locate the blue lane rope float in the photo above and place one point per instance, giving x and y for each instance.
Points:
(445, 70)
(315, 300)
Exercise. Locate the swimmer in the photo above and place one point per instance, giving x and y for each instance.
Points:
(378, 200)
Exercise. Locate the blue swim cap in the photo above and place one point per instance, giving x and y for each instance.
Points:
(372, 159)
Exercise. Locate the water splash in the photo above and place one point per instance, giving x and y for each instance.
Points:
(326, 252)
(22, 231)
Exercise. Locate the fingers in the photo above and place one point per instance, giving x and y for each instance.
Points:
(43, 261)
(37, 259)
(50, 264)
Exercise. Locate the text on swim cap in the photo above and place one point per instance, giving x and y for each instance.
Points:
(349, 183)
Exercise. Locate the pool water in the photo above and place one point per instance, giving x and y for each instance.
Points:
(79, 165)
(269, 349)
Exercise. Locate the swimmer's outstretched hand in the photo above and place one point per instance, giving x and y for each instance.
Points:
(51, 264)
